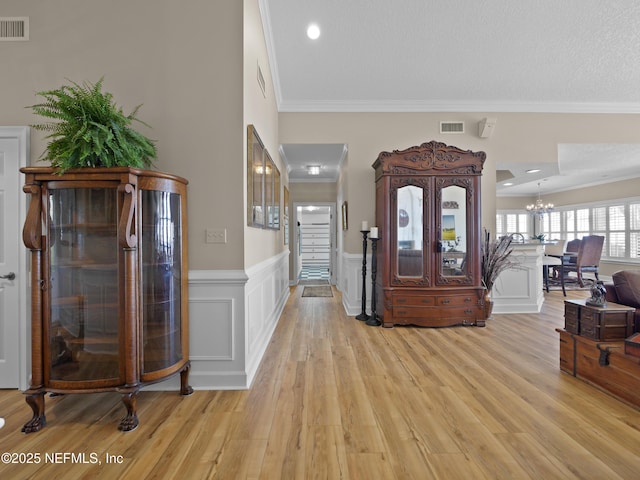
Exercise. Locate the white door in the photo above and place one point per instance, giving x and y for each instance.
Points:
(13, 146)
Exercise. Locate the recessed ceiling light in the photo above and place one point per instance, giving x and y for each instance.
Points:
(533, 170)
(313, 31)
(507, 184)
(313, 169)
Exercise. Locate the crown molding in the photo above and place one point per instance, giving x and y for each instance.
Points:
(425, 106)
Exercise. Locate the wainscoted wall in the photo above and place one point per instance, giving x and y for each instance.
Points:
(232, 316)
(519, 288)
(350, 283)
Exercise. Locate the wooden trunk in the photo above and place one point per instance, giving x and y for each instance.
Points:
(603, 364)
(612, 322)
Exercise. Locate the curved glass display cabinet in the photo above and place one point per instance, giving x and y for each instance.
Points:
(428, 213)
(109, 283)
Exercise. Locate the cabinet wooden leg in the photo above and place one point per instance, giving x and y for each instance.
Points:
(130, 422)
(185, 388)
(38, 421)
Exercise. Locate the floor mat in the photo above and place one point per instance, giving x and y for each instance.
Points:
(317, 291)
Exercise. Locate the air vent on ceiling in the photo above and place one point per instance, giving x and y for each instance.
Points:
(451, 127)
(14, 29)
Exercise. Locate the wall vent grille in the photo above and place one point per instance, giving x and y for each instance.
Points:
(451, 127)
(261, 82)
(14, 29)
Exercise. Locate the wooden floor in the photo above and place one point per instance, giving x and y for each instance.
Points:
(335, 399)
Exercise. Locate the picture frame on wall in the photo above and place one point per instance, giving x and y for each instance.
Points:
(263, 184)
(285, 214)
(345, 216)
(255, 179)
(272, 192)
(277, 213)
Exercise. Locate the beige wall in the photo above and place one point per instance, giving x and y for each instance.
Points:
(193, 65)
(260, 110)
(594, 193)
(312, 192)
(182, 60)
(518, 137)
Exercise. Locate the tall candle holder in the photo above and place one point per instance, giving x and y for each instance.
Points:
(374, 320)
(363, 315)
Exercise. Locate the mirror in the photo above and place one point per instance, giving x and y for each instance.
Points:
(409, 236)
(453, 234)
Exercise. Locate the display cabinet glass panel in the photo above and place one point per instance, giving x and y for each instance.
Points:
(83, 330)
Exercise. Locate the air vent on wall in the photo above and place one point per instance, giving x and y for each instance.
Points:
(14, 29)
(451, 127)
(261, 82)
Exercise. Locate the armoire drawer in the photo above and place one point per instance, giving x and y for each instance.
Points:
(434, 300)
(436, 312)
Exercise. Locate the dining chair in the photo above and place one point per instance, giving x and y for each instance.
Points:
(587, 259)
(553, 257)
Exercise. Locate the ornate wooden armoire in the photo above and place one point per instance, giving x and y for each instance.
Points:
(428, 256)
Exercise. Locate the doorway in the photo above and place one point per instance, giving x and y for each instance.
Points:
(314, 242)
(14, 152)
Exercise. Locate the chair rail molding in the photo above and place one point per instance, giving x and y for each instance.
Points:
(232, 316)
(351, 283)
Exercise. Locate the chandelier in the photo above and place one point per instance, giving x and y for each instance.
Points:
(539, 208)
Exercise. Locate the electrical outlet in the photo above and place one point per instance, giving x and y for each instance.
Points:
(216, 235)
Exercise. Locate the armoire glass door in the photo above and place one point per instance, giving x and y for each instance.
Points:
(453, 219)
(410, 231)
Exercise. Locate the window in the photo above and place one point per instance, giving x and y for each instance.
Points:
(515, 222)
(618, 221)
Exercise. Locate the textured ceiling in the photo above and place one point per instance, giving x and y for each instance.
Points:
(485, 55)
(458, 55)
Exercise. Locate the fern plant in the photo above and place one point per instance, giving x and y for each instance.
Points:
(87, 129)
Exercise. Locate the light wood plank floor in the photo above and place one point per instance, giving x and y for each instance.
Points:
(335, 399)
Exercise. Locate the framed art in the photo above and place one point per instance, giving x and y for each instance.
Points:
(255, 179)
(272, 192)
(285, 214)
(268, 188)
(345, 216)
(263, 184)
(448, 227)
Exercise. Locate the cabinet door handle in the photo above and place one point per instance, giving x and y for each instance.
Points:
(446, 301)
(468, 311)
(401, 300)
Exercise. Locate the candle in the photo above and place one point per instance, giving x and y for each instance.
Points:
(374, 232)
(365, 225)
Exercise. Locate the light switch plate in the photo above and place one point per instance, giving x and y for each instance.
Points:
(216, 235)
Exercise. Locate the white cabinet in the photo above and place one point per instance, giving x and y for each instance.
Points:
(315, 244)
(520, 289)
